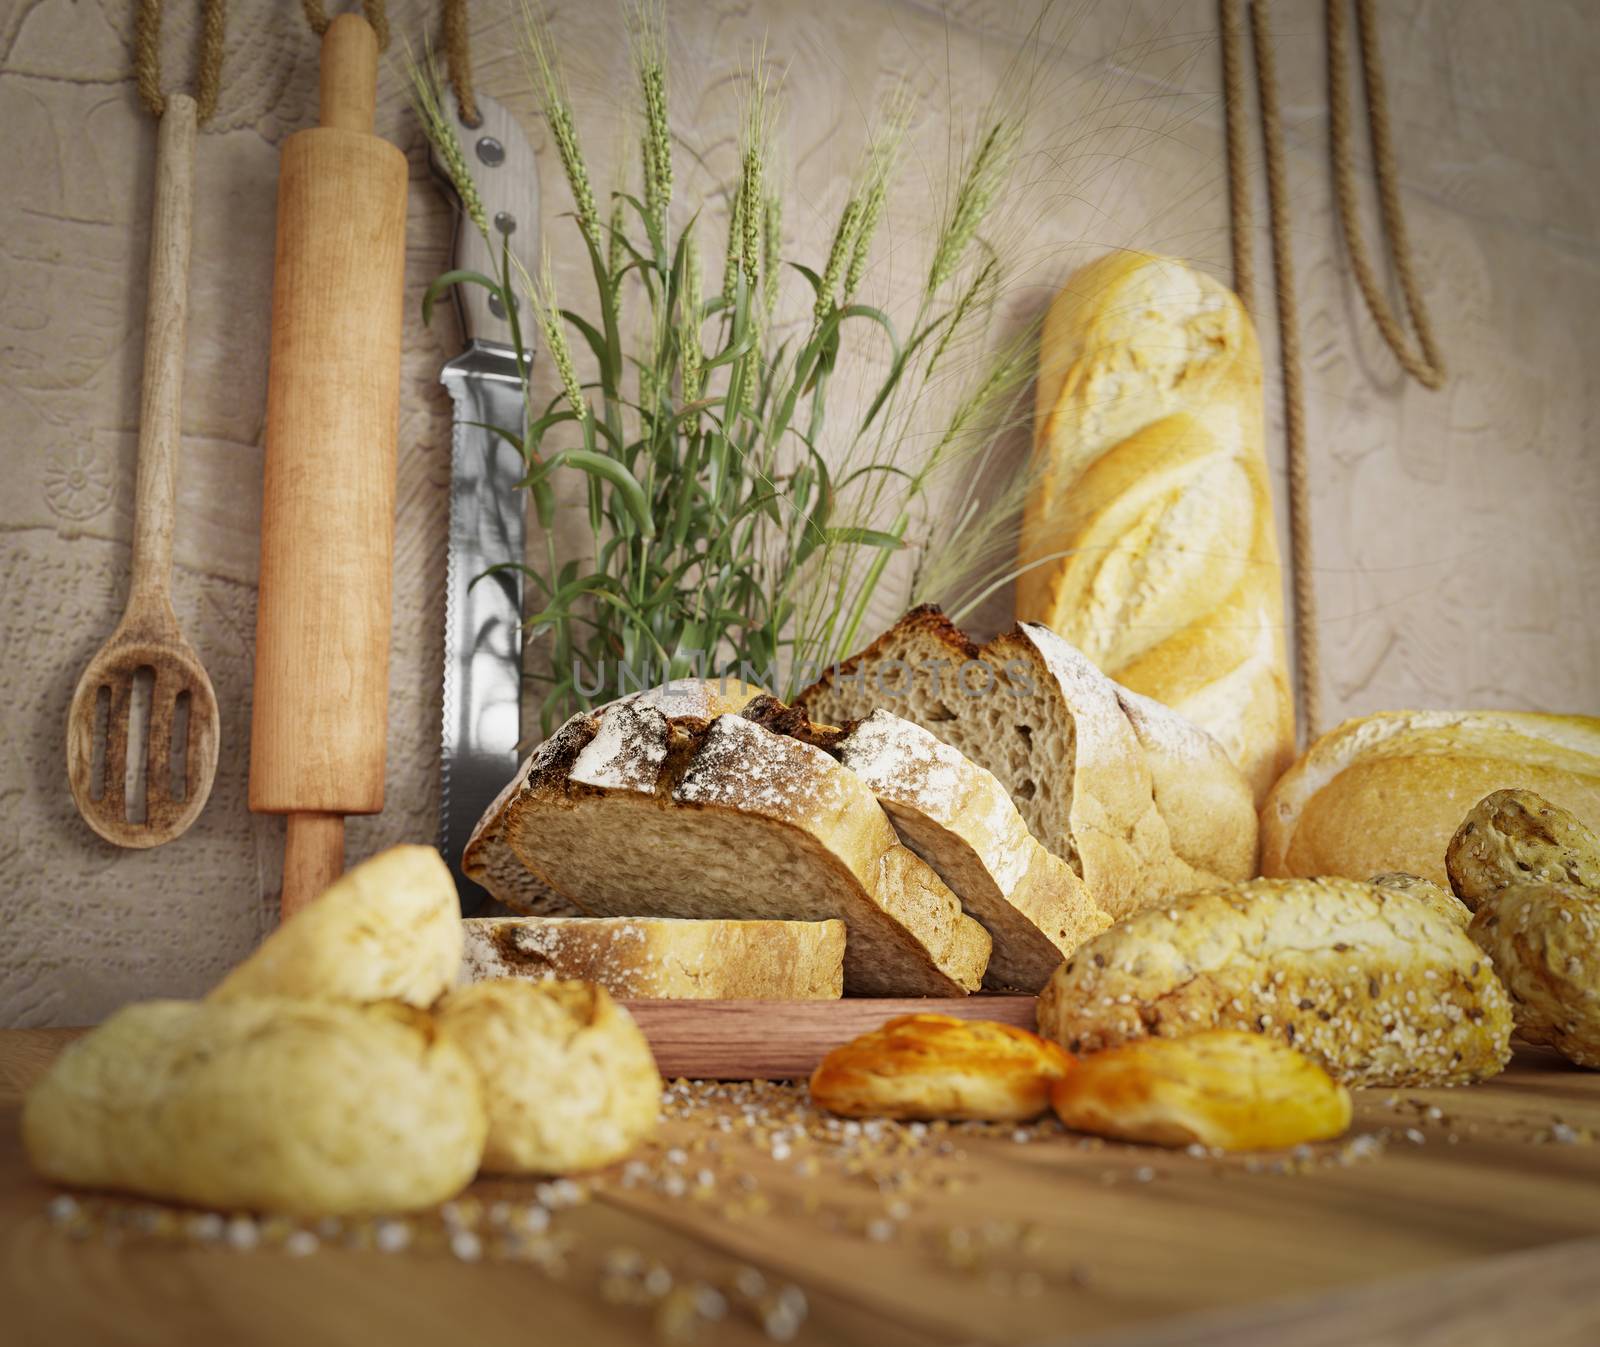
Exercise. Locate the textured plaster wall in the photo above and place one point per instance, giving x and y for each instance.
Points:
(1458, 561)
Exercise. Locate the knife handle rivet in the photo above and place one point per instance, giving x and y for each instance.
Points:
(497, 305)
(490, 151)
(505, 222)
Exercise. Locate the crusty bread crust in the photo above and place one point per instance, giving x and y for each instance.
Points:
(1135, 799)
(1152, 479)
(1376, 985)
(1517, 837)
(1387, 792)
(671, 958)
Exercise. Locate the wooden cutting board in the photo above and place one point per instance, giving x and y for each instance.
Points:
(1488, 1240)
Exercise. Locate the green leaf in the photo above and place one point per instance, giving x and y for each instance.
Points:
(442, 283)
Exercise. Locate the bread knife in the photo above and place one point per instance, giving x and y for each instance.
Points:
(483, 608)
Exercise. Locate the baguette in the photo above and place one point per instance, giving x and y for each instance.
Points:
(665, 958)
(959, 819)
(1152, 480)
(1136, 800)
(637, 814)
(1387, 792)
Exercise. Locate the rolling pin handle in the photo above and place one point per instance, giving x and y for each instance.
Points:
(313, 857)
(349, 74)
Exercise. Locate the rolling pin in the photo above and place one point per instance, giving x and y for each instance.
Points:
(327, 512)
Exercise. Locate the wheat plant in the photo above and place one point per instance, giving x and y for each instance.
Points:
(733, 520)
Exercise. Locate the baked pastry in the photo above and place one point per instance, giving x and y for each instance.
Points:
(489, 862)
(1133, 797)
(311, 1108)
(568, 1079)
(389, 929)
(1387, 792)
(959, 819)
(1436, 896)
(1376, 986)
(1151, 500)
(1222, 1088)
(664, 957)
(1544, 942)
(636, 814)
(936, 1066)
(1516, 837)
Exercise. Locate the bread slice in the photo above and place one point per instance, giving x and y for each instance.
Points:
(959, 819)
(488, 861)
(1139, 802)
(1387, 792)
(665, 957)
(634, 813)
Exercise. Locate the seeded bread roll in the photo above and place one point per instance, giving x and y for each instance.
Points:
(1134, 798)
(1436, 896)
(264, 1104)
(936, 1066)
(490, 863)
(1376, 986)
(671, 958)
(1152, 510)
(1222, 1088)
(636, 814)
(1517, 837)
(959, 819)
(390, 929)
(1544, 942)
(569, 1081)
(1387, 792)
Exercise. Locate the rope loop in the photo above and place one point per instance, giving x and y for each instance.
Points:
(458, 61)
(147, 57)
(375, 11)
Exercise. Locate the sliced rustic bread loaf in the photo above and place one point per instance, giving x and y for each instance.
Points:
(635, 814)
(670, 958)
(488, 861)
(958, 818)
(1139, 802)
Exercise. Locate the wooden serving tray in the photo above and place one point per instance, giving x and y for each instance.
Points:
(784, 1040)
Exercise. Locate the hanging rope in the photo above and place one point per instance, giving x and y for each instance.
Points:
(377, 16)
(458, 60)
(1423, 365)
(1308, 662)
(147, 57)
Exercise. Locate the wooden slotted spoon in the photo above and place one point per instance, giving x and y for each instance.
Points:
(147, 640)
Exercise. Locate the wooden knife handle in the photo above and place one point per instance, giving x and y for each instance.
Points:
(327, 524)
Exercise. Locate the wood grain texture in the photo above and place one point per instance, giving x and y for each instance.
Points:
(1472, 1244)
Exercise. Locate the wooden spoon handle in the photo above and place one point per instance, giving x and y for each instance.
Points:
(165, 325)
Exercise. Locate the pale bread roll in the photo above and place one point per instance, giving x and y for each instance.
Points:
(1152, 479)
(569, 1082)
(310, 1108)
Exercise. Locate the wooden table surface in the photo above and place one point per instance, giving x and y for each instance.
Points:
(1445, 1217)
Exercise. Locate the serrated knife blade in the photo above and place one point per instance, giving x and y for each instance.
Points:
(483, 610)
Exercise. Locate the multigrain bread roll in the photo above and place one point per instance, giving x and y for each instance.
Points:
(1376, 986)
(936, 1066)
(569, 1082)
(1134, 798)
(489, 862)
(390, 929)
(1152, 480)
(638, 814)
(1224, 1089)
(959, 819)
(1517, 837)
(1544, 942)
(265, 1104)
(670, 958)
(1436, 896)
(1387, 792)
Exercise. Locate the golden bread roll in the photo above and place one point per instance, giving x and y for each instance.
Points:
(569, 1081)
(1516, 837)
(1376, 986)
(1544, 942)
(937, 1066)
(1152, 481)
(267, 1105)
(1387, 792)
(1225, 1089)
(1436, 896)
(390, 929)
